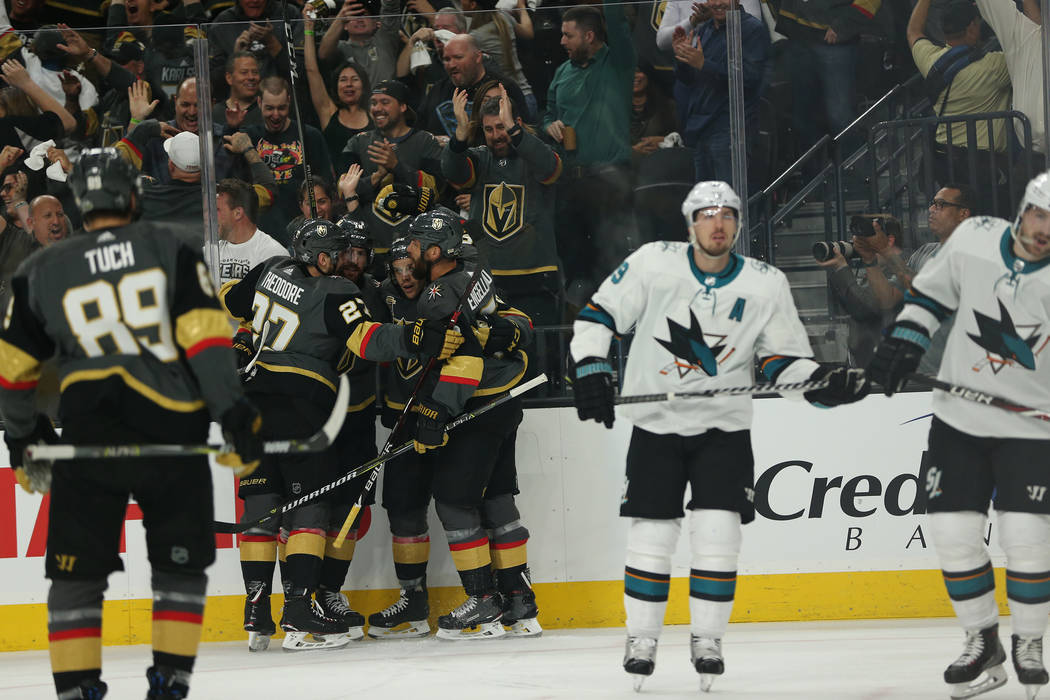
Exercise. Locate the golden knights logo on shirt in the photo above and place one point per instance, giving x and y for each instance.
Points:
(503, 213)
(656, 15)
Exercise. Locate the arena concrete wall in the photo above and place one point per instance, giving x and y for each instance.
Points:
(837, 534)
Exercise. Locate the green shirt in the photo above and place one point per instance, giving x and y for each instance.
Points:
(595, 98)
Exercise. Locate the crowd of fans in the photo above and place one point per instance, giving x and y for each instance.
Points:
(617, 99)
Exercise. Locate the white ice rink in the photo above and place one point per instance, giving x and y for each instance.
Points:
(854, 660)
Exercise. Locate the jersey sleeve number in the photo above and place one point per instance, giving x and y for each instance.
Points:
(286, 320)
(122, 320)
(350, 311)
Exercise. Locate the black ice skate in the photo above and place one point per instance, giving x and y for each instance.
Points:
(1028, 663)
(983, 654)
(93, 689)
(166, 683)
(639, 659)
(334, 604)
(480, 617)
(307, 628)
(404, 619)
(519, 614)
(258, 622)
(706, 655)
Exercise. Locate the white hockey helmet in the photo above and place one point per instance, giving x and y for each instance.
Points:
(1036, 194)
(704, 195)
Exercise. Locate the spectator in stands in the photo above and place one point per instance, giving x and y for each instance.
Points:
(652, 113)
(14, 190)
(45, 65)
(325, 202)
(114, 119)
(447, 19)
(981, 85)
(340, 104)
(681, 13)
(589, 101)
(242, 244)
(372, 44)
(16, 243)
(466, 71)
(822, 57)
(169, 61)
(253, 26)
(702, 87)
(47, 220)
(241, 108)
(40, 116)
(25, 15)
(494, 33)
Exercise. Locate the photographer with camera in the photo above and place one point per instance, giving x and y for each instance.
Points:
(869, 294)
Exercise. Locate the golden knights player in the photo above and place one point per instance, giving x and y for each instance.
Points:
(995, 277)
(700, 315)
(319, 321)
(144, 355)
(474, 486)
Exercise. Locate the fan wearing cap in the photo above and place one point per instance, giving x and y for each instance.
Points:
(394, 152)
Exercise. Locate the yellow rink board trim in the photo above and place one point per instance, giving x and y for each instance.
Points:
(765, 598)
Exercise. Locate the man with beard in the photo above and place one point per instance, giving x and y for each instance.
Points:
(277, 142)
(466, 71)
(393, 153)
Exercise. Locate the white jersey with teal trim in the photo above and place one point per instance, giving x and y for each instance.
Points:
(1001, 328)
(694, 331)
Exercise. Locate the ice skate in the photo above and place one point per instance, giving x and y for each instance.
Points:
(93, 689)
(166, 683)
(258, 622)
(639, 659)
(406, 618)
(983, 654)
(479, 617)
(1027, 653)
(519, 614)
(335, 605)
(706, 655)
(307, 628)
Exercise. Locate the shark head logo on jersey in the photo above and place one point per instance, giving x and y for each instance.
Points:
(1002, 341)
(690, 349)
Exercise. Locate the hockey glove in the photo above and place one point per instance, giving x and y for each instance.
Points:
(243, 348)
(593, 392)
(844, 386)
(240, 428)
(34, 476)
(898, 355)
(504, 336)
(430, 425)
(432, 338)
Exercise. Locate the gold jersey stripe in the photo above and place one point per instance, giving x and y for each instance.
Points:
(525, 271)
(200, 324)
(133, 383)
(492, 390)
(296, 370)
(16, 365)
(305, 543)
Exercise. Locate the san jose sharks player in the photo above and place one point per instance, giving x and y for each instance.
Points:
(1001, 328)
(700, 314)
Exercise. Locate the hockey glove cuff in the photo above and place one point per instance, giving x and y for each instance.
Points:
(34, 476)
(432, 338)
(243, 348)
(844, 386)
(504, 336)
(898, 355)
(240, 429)
(593, 393)
(431, 418)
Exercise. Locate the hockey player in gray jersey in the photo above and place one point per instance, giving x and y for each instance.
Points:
(995, 277)
(700, 315)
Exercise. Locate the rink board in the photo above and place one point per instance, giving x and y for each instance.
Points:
(836, 536)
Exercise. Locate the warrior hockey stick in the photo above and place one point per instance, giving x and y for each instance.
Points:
(321, 440)
(293, 73)
(480, 281)
(373, 465)
(726, 391)
(968, 394)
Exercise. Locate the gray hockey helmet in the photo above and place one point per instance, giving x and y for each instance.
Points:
(316, 236)
(441, 227)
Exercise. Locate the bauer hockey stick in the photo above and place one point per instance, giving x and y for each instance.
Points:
(725, 391)
(293, 73)
(477, 288)
(969, 394)
(321, 440)
(373, 465)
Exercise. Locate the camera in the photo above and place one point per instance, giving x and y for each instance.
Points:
(825, 251)
(864, 226)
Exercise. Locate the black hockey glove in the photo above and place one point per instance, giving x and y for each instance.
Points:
(593, 392)
(431, 418)
(844, 386)
(898, 355)
(504, 336)
(33, 475)
(432, 338)
(243, 347)
(240, 428)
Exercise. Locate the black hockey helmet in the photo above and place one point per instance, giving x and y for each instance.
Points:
(398, 251)
(441, 227)
(103, 181)
(316, 236)
(357, 231)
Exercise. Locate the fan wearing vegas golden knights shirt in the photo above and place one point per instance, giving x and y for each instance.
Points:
(144, 356)
(317, 323)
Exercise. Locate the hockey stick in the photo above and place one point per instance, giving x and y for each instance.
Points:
(725, 391)
(968, 394)
(374, 464)
(317, 442)
(244, 371)
(471, 298)
(293, 73)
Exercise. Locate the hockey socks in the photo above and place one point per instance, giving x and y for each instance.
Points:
(967, 570)
(178, 611)
(647, 574)
(258, 556)
(411, 555)
(304, 555)
(74, 633)
(714, 538)
(337, 560)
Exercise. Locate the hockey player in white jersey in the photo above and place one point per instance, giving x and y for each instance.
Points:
(700, 315)
(995, 277)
